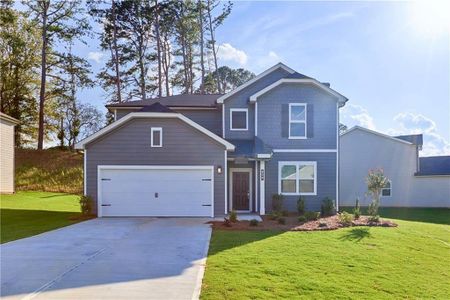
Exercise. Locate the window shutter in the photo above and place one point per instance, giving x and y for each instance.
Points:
(285, 120)
(310, 120)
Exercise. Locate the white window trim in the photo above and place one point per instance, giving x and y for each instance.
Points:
(390, 190)
(298, 122)
(153, 129)
(297, 179)
(246, 119)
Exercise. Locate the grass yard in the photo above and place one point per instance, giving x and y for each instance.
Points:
(410, 261)
(29, 213)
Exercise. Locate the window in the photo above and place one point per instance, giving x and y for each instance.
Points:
(386, 191)
(297, 120)
(156, 137)
(297, 178)
(238, 119)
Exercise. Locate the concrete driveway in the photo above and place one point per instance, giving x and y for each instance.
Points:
(109, 258)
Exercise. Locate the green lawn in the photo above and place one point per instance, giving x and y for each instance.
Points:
(410, 261)
(29, 213)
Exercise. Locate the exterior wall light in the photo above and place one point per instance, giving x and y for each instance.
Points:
(219, 169)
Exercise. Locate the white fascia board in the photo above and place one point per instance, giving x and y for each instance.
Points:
(376, 133)
(341, 98)
(263, 155)
(81, 144)
(243, 86)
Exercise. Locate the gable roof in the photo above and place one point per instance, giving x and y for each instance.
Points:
(156, 107)
(341, 99)
(416, 139)
(434, 165)
(112, 126)
(254, 79)
(184, 100)
(376, 133)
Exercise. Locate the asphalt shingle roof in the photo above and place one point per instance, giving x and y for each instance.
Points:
(434, 165)
(249, 148)
(185, 100)
(416, 139)
(156, 107)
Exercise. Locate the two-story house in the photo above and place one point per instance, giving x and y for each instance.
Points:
(205, 155)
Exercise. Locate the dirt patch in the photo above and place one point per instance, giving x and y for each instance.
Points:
(292, 224)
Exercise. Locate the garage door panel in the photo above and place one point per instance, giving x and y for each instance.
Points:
(156, 192)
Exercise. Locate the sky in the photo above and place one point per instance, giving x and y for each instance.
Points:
(390, 59)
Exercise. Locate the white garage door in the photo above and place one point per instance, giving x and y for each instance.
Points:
(156, 191)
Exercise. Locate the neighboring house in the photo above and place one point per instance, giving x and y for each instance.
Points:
(205, 155)
(7, 124)
(413, 181)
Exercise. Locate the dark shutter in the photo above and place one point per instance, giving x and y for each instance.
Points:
(310, 120)
(285, 120)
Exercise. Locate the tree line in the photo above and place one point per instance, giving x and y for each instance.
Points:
(154, 48)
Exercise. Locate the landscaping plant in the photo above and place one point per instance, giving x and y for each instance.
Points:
(282, 221)
(345, 218)
(233, 216)
(327, 207)
(376, 181)
(302, 219)
(301, 205)
(86, 204)
(277, 202)
(254, 222)
(357, 209)
(312, 215)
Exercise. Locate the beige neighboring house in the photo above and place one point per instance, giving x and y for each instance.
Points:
(7, 153)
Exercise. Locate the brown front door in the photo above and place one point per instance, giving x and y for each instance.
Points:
(241, 191)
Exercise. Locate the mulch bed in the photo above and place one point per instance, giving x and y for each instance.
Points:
(292, 224)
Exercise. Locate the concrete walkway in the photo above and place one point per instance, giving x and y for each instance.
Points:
(109, 258)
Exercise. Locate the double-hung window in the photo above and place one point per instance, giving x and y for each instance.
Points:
(156, 137)
(297, 178)
(297, 120)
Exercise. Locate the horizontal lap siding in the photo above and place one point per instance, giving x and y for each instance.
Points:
(182, 145)
(326, 179)
(210, 119)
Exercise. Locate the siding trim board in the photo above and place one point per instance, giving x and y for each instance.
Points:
(82, 144)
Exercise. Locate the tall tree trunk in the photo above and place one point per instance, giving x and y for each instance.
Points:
(202, 62)
(213, 43)
(166, 64)
(116, 53)
(141, 69)
(40, 145)
(158, 46)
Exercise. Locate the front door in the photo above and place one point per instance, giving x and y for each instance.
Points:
(241, 190)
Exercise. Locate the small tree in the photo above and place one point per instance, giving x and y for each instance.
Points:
(357, 209)
(376, 181)
(301, 205)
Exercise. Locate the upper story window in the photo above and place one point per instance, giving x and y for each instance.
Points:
(387, 190)
(238, 119)
(297, 120)
(297, 178)
(156, 137)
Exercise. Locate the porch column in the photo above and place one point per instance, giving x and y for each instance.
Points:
(262, 185)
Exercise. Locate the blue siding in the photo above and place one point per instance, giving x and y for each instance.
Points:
(273, 115)
(240, 100)
(326, 179)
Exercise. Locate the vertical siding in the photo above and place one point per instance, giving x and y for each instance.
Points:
(273, 117)
(182, 145)
(326, 179)
(240, 100)
(6, 157)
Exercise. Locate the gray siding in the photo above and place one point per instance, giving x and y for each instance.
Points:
(273, 117)
(326, 179)
(240, 100)
(120, 113)
(210, 119)
(361, 151)
(182, 145)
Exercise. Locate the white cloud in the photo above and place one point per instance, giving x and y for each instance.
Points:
(352, 115)
(95, 56)
(227, 52)
(410, 123)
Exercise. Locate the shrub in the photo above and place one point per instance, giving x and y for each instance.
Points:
(312, 215)
(254, 222)
(274, 215)
(374, 219)
(327, 208)
(277, 202)
(282, 221)
(345, 218)
(357, 209)
(301, 205)
(226, 222)
(285, 213)
(302, 219)
(86, 204)
(233, 216)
